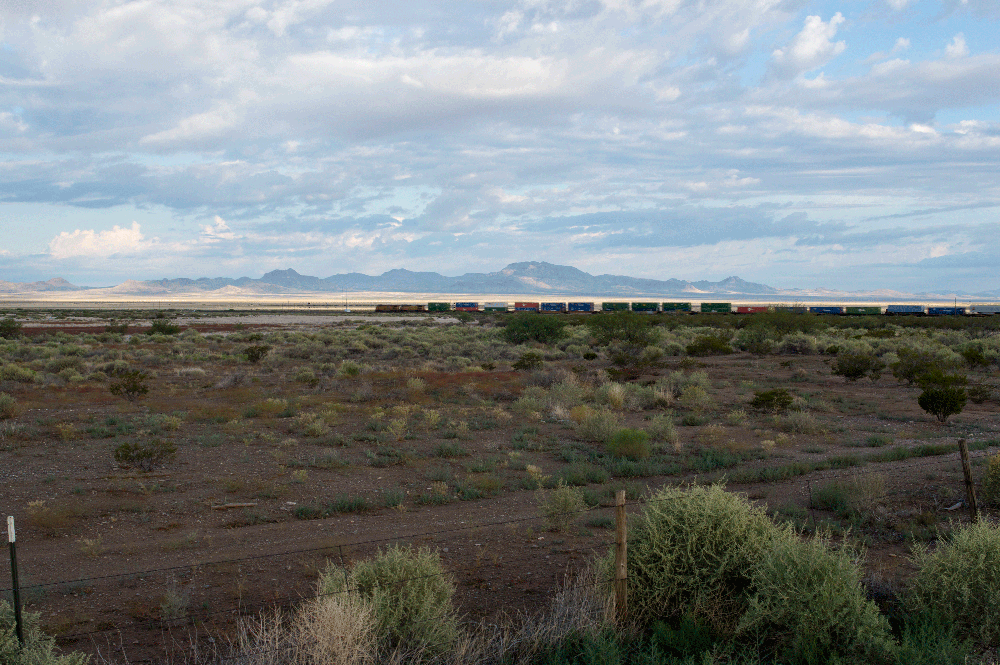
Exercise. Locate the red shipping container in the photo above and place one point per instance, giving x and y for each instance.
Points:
(751, 310)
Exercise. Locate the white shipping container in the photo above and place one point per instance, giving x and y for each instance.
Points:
(985, 309)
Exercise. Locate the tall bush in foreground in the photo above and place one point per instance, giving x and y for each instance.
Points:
(410, 594)
(943, 394)
(960, 581)
(692, 553)
(39, 648)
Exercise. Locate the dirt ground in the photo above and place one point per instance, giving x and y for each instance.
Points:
(132, 563)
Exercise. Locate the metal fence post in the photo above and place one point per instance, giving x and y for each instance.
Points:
(15, 584)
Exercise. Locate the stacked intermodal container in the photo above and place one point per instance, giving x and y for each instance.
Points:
(751, 309)
(614, 306)
(865, 310)
(826, 309)
(438, 307)
(526, 307)
(985, 309)
(676, 307)
(581, 306)
(904, 309)
(553, 307)
(945, 311)
(495, 307)
(716, 307)
(792, 309)
(645, 307)
(400, 308)
(466, 307)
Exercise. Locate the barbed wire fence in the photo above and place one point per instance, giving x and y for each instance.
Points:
(152, 604)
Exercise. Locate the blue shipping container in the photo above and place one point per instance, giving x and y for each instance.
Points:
(581, 307)
(904, 309)
(553, 307)
(945, 311)
(826, 310)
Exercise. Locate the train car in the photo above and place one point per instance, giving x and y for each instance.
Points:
(400, 308)
(466, 307)
(793, 309)
(751, 309)
(716, 308)
(945, 311)
(526, 306)
(826, 309)
(984, 310)
(553, 307)
(675, 307)
(904, 309)
(580, 306)
(495, 307)
(614, 306)
(645, 307)
(865, 310)
(439, 307)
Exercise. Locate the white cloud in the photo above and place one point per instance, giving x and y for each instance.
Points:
(811, 48)
(898, 5)
(100, 244)
(957, 48)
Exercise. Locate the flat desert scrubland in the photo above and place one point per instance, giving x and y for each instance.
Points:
(171, 476)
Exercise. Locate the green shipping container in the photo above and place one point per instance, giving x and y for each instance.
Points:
(490, 308)
(645, 307)
(676, 307)
(865, 311)
(716, 307)
(614, 306)
(439, 307)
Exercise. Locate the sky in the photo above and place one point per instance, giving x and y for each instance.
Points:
(850, 144)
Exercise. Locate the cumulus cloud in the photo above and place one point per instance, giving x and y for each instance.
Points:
(957, 47)
(811, 48)
(100, 244)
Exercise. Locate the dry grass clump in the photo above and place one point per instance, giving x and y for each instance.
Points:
(799, 422)
(598, 426)
(561, 506)
(696, 398)
(9, 408)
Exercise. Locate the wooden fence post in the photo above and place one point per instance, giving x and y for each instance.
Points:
(970, 488)
(621, 559)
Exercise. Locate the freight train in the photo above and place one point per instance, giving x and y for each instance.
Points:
(689, 308)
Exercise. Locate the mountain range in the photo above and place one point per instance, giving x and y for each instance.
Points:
(530, 277)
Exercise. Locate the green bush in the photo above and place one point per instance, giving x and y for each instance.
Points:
(630, 443)
(10, 328)
(131, 385)
(410, 593)
(943, 394)
(708, 345)
(598, 426)
(913, 363)
(990, 491)
(163, 327)
(772, 401)
(145, 456)
(691, 553)
(854, 365)
(528, 361)
(8, 406)
(561, 506)
(527, 327)
(960, 581)
(256, 353)
(39, 648)
(808, 604)
(979, 393)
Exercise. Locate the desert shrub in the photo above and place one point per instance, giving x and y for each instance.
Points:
(561, 506)
(756, 339)
(39, 648)
(630, 443)
(912, 363)
(808, 604)
(8, 406)
(256, 353)
(692, 553)
(696, 398)
(991, 482)
(307, 376)
(798, 422)
(853, 365)
(661, 428)
(163, 327)
(975, 355)
(349, 368)
(528, 361)
(943, 394)
(528, 327)
(798, 343)
(131, 385)
(960, 581)
(772, 401)
(979, 393)
(597, 426)
(10, 328)
(145, 456)
(410, 595)
(14, 372)
(708, 345)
